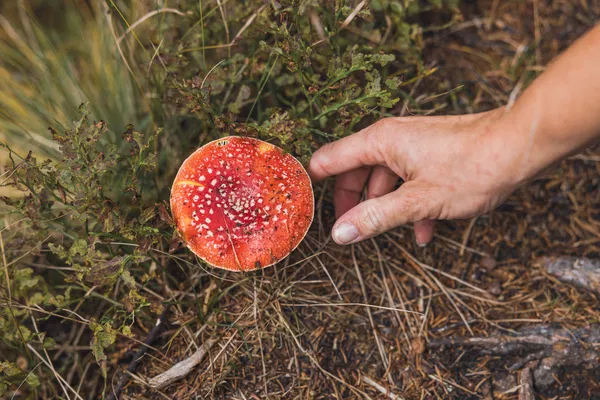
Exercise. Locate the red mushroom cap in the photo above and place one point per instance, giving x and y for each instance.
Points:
(241, 203)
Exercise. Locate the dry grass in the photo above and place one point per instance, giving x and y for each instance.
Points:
(354, 322)
(285, 332)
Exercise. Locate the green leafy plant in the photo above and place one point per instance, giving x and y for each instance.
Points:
(312, 82)
(76, 208)
(10, 373)
(86, 213)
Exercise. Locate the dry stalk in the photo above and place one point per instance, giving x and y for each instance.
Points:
(182, 368)
(380, 388)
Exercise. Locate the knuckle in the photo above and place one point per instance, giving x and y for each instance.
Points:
(384, 125)
(378, 136)
(320, 160)
(373, 220)
(380, 130)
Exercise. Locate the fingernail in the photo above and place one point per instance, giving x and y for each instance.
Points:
(422, 244)
(345, 233)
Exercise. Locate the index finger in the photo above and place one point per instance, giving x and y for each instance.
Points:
(352, 152)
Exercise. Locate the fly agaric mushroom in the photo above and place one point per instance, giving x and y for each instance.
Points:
(241, 203)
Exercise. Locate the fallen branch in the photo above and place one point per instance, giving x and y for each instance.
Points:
(544, 348)
(182, 368)
(526, 385)
(529, 339)
(583, 273)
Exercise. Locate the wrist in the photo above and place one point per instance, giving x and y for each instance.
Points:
(530, 143)
(504, 148)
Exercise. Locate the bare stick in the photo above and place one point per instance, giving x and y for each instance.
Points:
(581, 272)
(63, 383)
(380, 388)
(526, 385)
(183, 368)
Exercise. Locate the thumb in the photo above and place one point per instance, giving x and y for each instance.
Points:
(409, 203)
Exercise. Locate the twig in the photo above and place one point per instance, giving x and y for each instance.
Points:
(330, 278)
(156, 48)
(583, 273)
(586, 157)
(145, 17)
(353, 14)
(222, 10)
(526, 385)
(16, 392)
(334, 304)
(208, 73)
(316, 23)
(183, 368)
(452, 383)
(461, 246)
(465, 238)
(152, 336)
(247, 24)
(493, 344)
(380, 388)
(545, 349)
(61, 380)
(8, 291)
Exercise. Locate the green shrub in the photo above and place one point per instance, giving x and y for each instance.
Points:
(82, 228)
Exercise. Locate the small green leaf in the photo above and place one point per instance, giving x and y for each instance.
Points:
(49, 343)
(104, 336)
(9, 369)
(128, 279)
(32, 380)
(393, 83)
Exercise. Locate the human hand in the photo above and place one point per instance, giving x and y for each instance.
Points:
(461, 166)
(453, 167)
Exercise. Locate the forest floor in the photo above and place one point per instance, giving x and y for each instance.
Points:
(476, 314)
(491, 309)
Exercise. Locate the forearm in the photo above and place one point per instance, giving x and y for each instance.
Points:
(559, 114)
